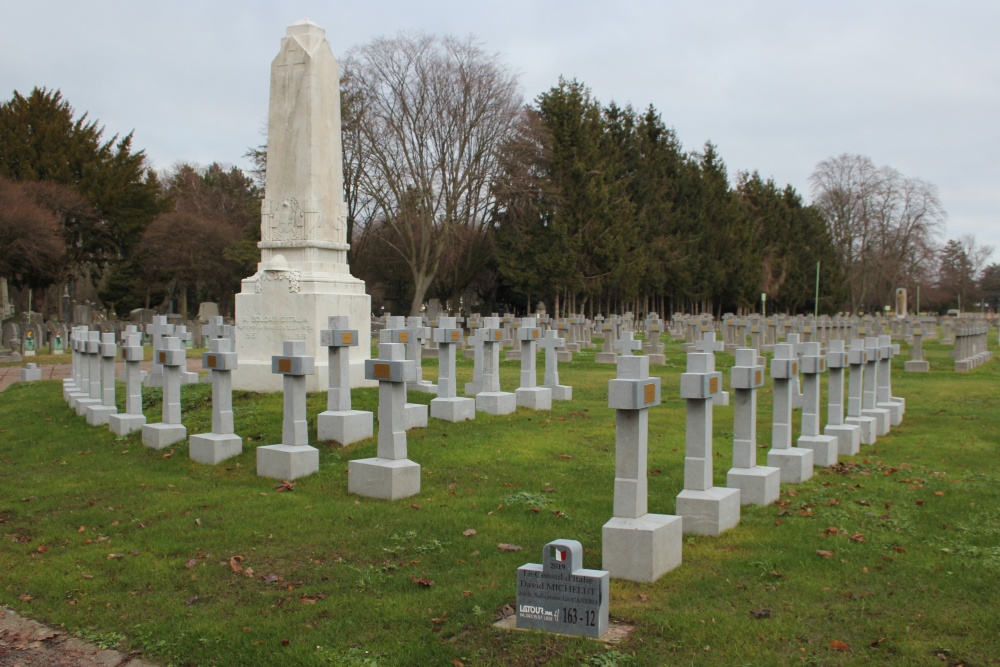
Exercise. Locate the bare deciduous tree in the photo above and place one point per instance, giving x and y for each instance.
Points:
(426, 120)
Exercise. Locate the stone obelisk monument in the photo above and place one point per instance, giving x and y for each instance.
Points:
(303, 277)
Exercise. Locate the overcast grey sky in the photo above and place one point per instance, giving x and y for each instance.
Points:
(777, 85)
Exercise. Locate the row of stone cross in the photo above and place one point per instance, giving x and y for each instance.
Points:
(641, 546)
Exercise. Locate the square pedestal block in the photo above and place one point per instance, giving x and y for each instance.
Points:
(606, 358)
(422, 386)
(563, 355)
(562, 392)
(160, 435)
(796, 464)
(882, 419)
(709, 512)
(287, 461)
(916, 367)
(496, 402)
(512, 355)
(74, 396)
(641, 549)
(824, 448)
(414, 416)
(456, 409)
(760, 485)
(82, 404)
(867, 426)
(895, 412)
(535, 398)
(124, 423)
(720, 399)
(383, 478)
(657, 359)
(212, 448)
(345, 426)
(848, 437)
(97, 415)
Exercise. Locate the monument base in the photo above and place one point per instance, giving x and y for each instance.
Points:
(414, 416)
(287, 462)
(796, 464)
(720, 399)
(916, 366)
(561, 392)
(97, 415)
(75, 395)
(848, 437)
(31, 374)
(895, 412)
(824, 448)
(123, 424)
(709, 512)
(881, 417)
(383, 478)
(496, 402)
(213, 448)
(344, 426)
(641, 549)
(867, 426)
(759, 485)
(535, 398)
(160, 435)
(82, 404)
(456, 409)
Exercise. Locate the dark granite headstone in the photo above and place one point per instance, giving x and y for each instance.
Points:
(561, 596)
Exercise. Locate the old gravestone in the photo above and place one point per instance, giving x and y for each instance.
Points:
(558, 595)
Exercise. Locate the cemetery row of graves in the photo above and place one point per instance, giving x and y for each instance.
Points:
(829, 386)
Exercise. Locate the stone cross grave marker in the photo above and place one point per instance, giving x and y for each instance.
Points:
(636, 545)
(339, 422)
(92, 383)
(221, 443)
(529, 394)
(916, 362)
(132, 419)
(294, 457)
(796, 464)
(848, 435)
(31, 373)
(99, 414)
(389, 475)
(74, 387)
(551, 343)
(476, 353)
(824, 447)
(414, 352)
(559, 595)
(627, 345)
(158, 329)
(491, 399)
(414, 414)
(448, 405)
(171, 357)
(883, 392)
(857, 359)
(795, 340)
(709, 345)
(607, 355)
(869, 396)
(758, 485)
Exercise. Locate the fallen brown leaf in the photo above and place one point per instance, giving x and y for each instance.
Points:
(469, 532)
(285, 485)
(168, 454)
(422, 581)
(837, 645)
(760, 613)
(509, 547)
(191, 563)
(234, 564)
(824, 554)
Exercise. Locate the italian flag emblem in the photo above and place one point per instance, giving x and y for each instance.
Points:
(559, 554)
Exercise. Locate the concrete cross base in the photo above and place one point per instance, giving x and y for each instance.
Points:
(606, 358)
(414, 416)
(422, 386)
(916, 367)
(75, 395)
(709, 512)
(563, 355)
(31, 373)
(759, 485)
(97, 415)
(641, 549)
(456, 409)
(82, 404)
(867, 426)
(535, 398)
(882, 419)
(160, 435)
(657, 359)
(824, 448)
(964, 365)
(287, 462)
(496, 402)
(213, 448)
(572, 347)
(383, 478)
(512, 355)
(896, 409)
(471, 389)
(124, 423)
(69, 386)
(562, 392)
(431, 353)
(848, 438)
(189, 378)
(344, 426)
(722, 398)
(796, 464)
(469, 353)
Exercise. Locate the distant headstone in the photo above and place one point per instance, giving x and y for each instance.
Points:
(31, 373)
(529, 394)
(551, 343)
(490, 398)
(294, 457)
(916, 363)
(448, 405)
(558, 595)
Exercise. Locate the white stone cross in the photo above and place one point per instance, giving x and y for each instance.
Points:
(132, 419)
(626, 345)
(169, 430)
(339, 422)
(552, 343)
(221, 443)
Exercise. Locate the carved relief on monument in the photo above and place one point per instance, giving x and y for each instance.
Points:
(288, 221)
(268, 275)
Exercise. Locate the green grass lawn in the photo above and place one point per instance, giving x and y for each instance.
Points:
(212, 565)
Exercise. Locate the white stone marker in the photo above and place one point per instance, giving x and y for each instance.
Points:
(92, 350)
(857, 359)
(848, 435)
(31, 373)
(653, 347)
(707, 509)
(448, 405)
(415, 352)
(709, 345)
(157, 329)
(70, 383)
(339, 422)
(551, 343)
(414, 414)
(294, 457)
(490, 399)
(883, 392)
(758, 485)
(916, 362)
(529, 394)
(75, 389)
(390, 475)
(607, 355)
(98, 414)
(132, 419)
(222, 443)
(795, 340)
(476, 343)
(636, 545)
(824, 447)
(627, 344)
(171, 358)
(869, 407)
(303, 274)
(796, 464)
(187, 340)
